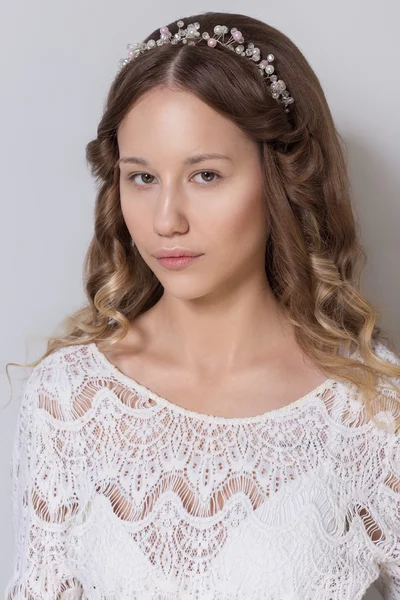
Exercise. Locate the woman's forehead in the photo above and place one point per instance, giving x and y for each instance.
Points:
(178, 119)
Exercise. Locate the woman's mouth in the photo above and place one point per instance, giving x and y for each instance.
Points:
(177, 262)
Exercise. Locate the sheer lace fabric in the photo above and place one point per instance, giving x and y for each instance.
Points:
(119, 493)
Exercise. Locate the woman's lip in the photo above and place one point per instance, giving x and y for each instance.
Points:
(178, 256)
(177, 262)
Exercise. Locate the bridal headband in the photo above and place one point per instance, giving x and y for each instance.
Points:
(191, 36)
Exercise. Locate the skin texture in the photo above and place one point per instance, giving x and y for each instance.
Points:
(218, 320)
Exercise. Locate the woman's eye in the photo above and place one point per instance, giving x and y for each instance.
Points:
(207, 174)
(144, 179)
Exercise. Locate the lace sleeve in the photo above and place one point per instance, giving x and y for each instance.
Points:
(388, 502)
(388, 583)
(43, 503)
(389, 533)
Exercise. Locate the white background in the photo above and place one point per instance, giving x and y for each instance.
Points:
(57, 61)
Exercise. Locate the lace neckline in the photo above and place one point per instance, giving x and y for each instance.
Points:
(132, 383)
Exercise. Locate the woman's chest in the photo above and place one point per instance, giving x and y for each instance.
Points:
(294, 545)
(198, 509)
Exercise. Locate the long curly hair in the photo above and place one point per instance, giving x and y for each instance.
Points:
(313, 258)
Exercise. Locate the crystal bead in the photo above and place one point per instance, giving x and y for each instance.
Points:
(249, 52)
(180, 23)
(250, 45)
(151, 43)
(274, 78)
(197, 25)
(225, 29)
(255, 57)
(233, 29)
(205, 35)
(239, 49)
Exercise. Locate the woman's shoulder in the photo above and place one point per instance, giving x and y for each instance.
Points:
(383, 350)
(66, 362)
(56, 381)
(388, 408)
(391, 409)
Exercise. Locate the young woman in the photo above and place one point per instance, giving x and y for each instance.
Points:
(222, 423)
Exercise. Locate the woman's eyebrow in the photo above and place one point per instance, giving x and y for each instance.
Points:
(188, 161)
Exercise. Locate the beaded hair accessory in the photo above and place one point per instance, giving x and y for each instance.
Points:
(191, 36)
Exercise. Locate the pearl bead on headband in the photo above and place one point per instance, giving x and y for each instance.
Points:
(191, 36)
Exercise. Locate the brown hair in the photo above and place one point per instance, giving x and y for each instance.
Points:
(314, 257)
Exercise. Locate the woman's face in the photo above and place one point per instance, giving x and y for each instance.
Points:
(170, 198)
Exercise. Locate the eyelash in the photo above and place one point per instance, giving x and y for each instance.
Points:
(133, 175)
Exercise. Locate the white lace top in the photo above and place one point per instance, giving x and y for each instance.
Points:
(121, 494)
